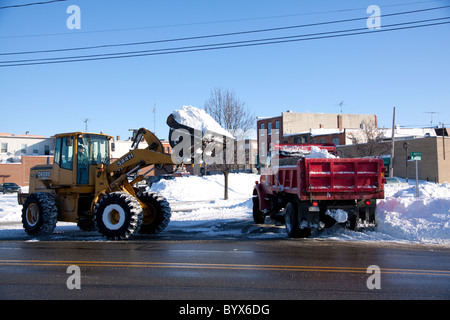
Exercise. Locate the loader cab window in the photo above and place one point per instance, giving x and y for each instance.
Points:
(64, 152)
(96, 148)
(91, 150)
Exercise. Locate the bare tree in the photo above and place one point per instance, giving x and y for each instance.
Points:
(232, 115)
(369, 140)
(228, 110)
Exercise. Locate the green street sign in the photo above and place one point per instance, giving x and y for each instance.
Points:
(416, 155)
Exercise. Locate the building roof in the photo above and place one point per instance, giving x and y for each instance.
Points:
(316, 132)
(13, 135)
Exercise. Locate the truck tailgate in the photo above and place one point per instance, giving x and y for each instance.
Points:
(343, 178)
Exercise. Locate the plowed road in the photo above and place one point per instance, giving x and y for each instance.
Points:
(222, 269)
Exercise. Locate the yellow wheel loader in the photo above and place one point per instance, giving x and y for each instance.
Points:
(82, 186)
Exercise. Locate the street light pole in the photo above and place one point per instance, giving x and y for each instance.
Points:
(406, 146)
(391, 167)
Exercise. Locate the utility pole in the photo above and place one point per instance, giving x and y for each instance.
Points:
(406, 147)
(154, 118)
(391, 167)
(443, 140)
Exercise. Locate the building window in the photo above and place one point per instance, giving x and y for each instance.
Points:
(4, 147)
(269, 128)
(277, 127)
(262, 131)
(335, 141)
(47, 150)
(24, 149)
(35, 150)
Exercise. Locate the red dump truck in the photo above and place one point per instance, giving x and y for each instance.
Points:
(312, 192)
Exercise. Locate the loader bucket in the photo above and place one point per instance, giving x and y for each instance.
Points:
(174, 125)
(198, 139)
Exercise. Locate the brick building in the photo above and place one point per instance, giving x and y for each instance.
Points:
(435, 163)
(293, 127)
(19, 172)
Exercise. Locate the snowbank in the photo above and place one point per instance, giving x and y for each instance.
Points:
(206, 188)
(425, 219)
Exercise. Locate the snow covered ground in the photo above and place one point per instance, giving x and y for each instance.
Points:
(198, 206)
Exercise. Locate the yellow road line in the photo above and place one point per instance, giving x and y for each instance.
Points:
(139, 264)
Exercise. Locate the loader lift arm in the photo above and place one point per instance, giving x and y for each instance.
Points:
(136, 159)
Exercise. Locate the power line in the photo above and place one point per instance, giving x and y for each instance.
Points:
(218, 46)
(30, 4)
(220, 34)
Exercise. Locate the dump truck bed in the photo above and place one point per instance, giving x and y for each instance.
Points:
(330, 179)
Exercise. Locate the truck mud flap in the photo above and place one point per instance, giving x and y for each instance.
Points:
(308, 218)
(365, 218)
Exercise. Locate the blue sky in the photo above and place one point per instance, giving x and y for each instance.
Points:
(370, 73)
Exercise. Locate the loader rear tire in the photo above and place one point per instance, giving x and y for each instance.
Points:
(39, 214)
(118, 215)
(157, 215)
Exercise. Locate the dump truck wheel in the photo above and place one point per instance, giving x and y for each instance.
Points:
(156, 215)
(258, 216)
(39, 214)
(118, 215)
(291, 222)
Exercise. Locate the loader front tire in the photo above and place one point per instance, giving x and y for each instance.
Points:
(157, 213)
(39, 214)
(118, 215)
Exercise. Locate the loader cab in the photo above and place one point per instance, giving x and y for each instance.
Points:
(77, 155)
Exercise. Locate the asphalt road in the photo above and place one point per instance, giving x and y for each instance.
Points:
(209, 269)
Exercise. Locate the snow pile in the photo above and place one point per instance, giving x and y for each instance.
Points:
(206, 188)
(10, 211)
(425, 219)
(198, 119)
(304, 151)
(316, 152)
